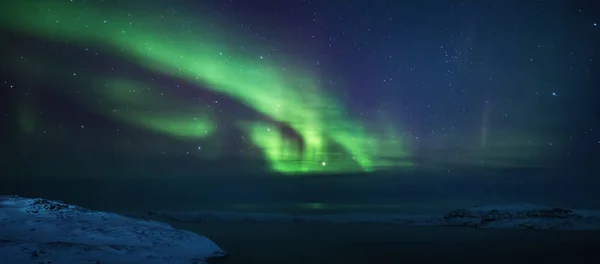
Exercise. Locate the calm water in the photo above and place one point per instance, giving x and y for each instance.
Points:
(165, 186)
(290, 243)
(293, 243)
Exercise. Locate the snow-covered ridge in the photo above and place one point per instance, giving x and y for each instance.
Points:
(524, 216)
(514, 216)
(44, 231)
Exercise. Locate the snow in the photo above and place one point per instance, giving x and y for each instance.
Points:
(44, 231)
(511, 216)
(524, 216)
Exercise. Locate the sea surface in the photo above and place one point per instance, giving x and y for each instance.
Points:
(331, 243)
(148, 188)
(165, 186)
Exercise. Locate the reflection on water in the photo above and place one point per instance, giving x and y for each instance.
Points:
(164, 186)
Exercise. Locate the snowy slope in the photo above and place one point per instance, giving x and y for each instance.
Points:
(516, 216)
(524, 216)
(43, 231)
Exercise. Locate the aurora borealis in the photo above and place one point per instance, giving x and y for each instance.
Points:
(307, 107)
(283, 96)
(241, 85)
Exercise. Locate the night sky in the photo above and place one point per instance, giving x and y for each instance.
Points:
(300, 87)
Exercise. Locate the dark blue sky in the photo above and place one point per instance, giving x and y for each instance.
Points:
(482, 91)
(465, 81)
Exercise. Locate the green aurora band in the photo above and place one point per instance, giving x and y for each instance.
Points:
(332, 142)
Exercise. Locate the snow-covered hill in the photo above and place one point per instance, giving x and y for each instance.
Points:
(515, 216)
(524, 216)
(43, 231)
